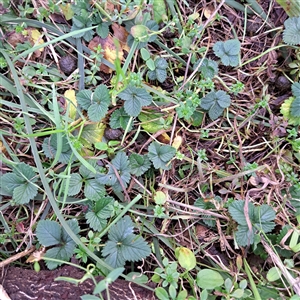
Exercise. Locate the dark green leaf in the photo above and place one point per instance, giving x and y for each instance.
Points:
(228, 51)
(103, 30)
(93, 189)
(295, 107)
(123, 245)
(244, 236)
(97, 111)
(139, 164)
(101, 95)
(48, 233)
(236, 210)
(296, 89)
(84, 99)
(120, 119)
(97, 218)
(9, 181)
(134, 99)
(75, 184)
(161, 155)
(209, 68)
(24, 193)
(291, 33)
(24, 170)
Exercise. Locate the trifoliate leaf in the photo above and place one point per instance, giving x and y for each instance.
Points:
(102, 210)
(20, 183)
(228, 51)
(120, 119)
(84, 99)
(209, 68)
(291, 32)
(160, 155)
(50, 149)
(135, 98)
(50, 233)
(139, 164)
(215, 102)
(159, 71)
(124, 245)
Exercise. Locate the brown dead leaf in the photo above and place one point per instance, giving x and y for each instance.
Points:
(121, 34)
(111, 51)
(15, 38)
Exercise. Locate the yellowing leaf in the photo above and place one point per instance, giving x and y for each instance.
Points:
(67, 11)
(177, 142)
(160, 198)
(70, 96)
(186, 258)
(285, 110)
(35, 37)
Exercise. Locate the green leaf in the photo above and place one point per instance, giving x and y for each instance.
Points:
(145, 54)
(103, 30)
(24, 193)
(186, 258)
(124, 245)
(84, 99)
(50, 148)
(120, 119)
(291, 32)
(48, 233)
(159, 72)
(19, 184)
(296, 89)
(139, 164)
(295, 108)
(209, 279)
(236, 210)
(97, 218)
(161, 294)
(159, 10)
(93, 189)
(140, 32)
(228, 51)
(75, 184)
(292, 8)
(209, 68)
(101, 94)
(274, 274)
(215, 102)
(160, 155)
(97, 111)
(153, 121)
(135, 98)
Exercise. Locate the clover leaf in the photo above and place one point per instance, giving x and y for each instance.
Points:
(228, 51)
(215, 103)
(135, 98)
(291, 33)
(159, 72)
(208, 68)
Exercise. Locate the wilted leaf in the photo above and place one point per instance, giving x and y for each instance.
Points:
(70, 95)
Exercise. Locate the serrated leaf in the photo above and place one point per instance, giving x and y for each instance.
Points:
(135, 98)
(101, 94)
(93, 189)
(285, 110)
(9, 181)
(295, 108)
(48, 233)
(160, 155)
(66, 239)
(236, 210)
(103, 30)
(215, 102)
(296, 89)
(244, 236)
(24, 193)
(161, 75)
(50, 145)
(291, 32)
(75, 184)
(209, 68)
(139, 164)
(97, 111)
(123, 245)
(228, 51)
(102, 210)
(24, 170)
(120, 119)
(84, 99)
